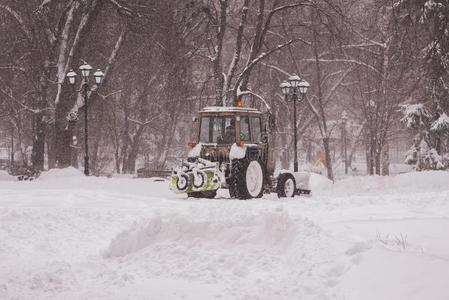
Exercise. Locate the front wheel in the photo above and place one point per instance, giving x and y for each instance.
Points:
(286, 186)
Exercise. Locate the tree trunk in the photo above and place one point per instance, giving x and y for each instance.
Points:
(377, 159)
(51, 151)
(63, 131)
(38, 152)
(129, 165)
(386, 159)
(327, 154)
(369, 156)
(37, 155)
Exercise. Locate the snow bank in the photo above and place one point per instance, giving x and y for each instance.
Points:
(319, 182)
(4, 176)
(385, 274)
(428, 180)
(413, 181)
(61, 174)
(272, 229)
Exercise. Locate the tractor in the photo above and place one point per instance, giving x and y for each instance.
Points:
(232, 150)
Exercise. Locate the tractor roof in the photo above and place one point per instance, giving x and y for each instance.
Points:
(229, 109)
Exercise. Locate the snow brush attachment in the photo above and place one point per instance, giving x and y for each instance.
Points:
(200, 176)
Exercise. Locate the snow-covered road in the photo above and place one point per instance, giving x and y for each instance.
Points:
(70, 237)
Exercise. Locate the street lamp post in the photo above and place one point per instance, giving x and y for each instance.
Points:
(292, 86)
(344, 121)
(11, 163)
(98, 76)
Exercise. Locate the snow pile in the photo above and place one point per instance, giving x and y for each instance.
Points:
(413, 181)
(318, 182)
(4, 176)
(59, 174)
(270, 229)
(425, 180)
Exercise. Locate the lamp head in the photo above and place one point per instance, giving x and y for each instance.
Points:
(294, 80)
(303, 86)
(286, 87)
(98, 75)
(85, 70)
(71, 76)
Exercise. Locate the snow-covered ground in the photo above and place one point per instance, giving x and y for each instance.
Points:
(65, 236)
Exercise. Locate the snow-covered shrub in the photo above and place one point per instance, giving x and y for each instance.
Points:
(414, 115)
(411, 157)
(432, 160)
(425, 158)
(441, 124)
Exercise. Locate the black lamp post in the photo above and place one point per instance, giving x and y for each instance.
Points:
(98, 76)
(344, 121)
(293, 86)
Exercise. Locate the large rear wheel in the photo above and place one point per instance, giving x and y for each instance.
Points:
(247, 178)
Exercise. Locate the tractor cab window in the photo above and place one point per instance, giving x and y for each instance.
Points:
(244, 129)
(256, 130)
(220, 130)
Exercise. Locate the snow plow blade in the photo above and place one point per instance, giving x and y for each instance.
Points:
(301, 179)
(302, 182)
(201, 176)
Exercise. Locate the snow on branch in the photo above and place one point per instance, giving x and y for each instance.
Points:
(43, 4)
(16, 15)
(249, 92)
(282, 71)
(372, 42)
(351, 61)
(238, 47)
(145, 123)
(263, 55)
(414, 115)
(338, 84)
(122, 9)
(13, 68)
(104, 97)
(63, 45)
(441, 124)
(24, 107)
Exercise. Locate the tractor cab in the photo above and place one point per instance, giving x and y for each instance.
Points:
(221, 127)
(229, 125)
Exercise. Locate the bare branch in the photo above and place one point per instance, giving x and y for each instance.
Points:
(276, 68)
(249, 92)
(338, 60)
(238, 47)
(122, 8)
(63, 48)
(16, 15)
(145, 123)
(262, 56)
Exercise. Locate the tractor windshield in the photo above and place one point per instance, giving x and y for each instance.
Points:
(220, 130)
